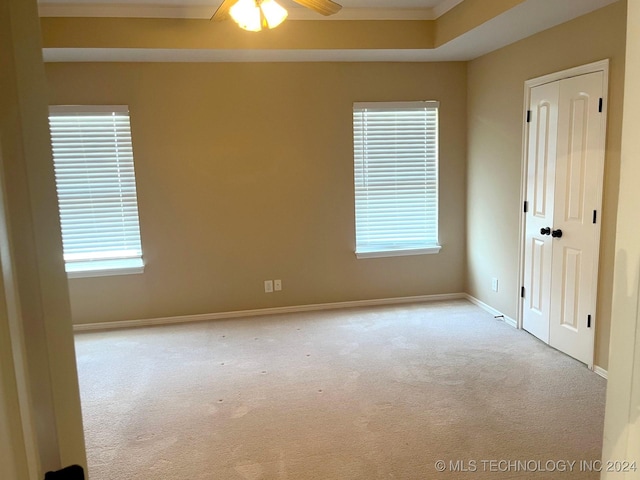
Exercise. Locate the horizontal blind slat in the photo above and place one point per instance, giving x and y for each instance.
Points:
(95, 179)
(396, 174)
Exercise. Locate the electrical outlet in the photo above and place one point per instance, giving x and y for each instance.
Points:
(494, 284)
(268, 286)
(277, 285)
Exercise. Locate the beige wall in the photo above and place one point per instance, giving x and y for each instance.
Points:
(495, 112)
(245, 173)
(176, 33)
(622, 417)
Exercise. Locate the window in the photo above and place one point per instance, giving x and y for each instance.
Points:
(396, 178)
(95, 180)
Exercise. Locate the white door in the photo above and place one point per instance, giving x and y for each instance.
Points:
(564, 184)
(541, 167)
(579, 172)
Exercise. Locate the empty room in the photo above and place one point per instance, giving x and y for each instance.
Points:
(309, 239)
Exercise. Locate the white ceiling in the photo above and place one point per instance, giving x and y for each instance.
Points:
(352, 9)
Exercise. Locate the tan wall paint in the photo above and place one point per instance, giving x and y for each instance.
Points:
(245, 173)
(191, 33)
(622, 417)
(495, 116)
(35, 289)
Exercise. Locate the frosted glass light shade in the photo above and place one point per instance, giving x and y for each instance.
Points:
(254, 15)
(246, 14)
(273, 13)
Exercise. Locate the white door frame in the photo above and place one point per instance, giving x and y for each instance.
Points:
(600, 66)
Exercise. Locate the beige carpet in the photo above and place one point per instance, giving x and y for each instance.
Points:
(376, 393)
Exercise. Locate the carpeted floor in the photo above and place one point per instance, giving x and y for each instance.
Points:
(375, 393)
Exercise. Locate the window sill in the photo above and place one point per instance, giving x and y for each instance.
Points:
(105, 268)
(398, 253)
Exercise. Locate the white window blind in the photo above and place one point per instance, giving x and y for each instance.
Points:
(95, 179)
(396, 178)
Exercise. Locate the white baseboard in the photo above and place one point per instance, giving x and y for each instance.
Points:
(491, 310)
(84, 327)
(601, 371)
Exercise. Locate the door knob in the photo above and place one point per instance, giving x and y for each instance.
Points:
(545, 231)
(556, 233)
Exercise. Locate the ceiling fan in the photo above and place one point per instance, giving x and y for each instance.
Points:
(254, 15)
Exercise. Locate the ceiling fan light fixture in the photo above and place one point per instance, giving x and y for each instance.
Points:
(273, 13)
(254, 15)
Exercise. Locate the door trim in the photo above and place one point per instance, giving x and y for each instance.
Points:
(16, 398)
(600, 66)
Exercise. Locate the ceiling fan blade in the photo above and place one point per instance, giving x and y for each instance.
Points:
(223, 10)
(325, 7)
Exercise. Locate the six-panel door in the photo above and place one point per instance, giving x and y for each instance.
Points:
(564, 181)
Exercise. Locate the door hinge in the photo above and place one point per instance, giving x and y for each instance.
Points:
(526, 206)
(528, 116)
(522, 292)
(595, 216)
(600, 105)
(588, 321)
